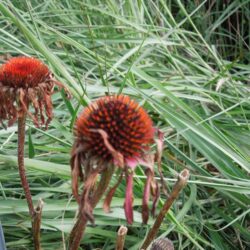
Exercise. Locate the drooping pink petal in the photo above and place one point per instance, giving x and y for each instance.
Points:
(128, 204)
(132, 162)
(151, 185)
(76, 169)
(108, 199)
(146, 196)
(155, 192)
(74, 176)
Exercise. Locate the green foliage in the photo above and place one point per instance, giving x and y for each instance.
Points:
(186, 63)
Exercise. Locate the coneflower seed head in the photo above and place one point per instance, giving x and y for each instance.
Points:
(25, 81)
(23, 72)
(128, 126)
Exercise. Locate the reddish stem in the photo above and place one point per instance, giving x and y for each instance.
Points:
(21, 168)
(82, 220)
(77, 231)
(35, 214)
(128, 204)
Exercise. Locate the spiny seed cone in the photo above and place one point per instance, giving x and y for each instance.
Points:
(23, 72)
(128, 126)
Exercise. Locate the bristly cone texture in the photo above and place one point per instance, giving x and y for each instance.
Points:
(25, 81)
(114, 130)
(128, 126)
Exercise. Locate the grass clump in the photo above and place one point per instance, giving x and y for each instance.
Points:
(186, 64)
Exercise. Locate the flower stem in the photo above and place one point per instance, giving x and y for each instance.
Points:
(21, 168)
(35, 214)
(77, 231)
(82, 220)
(179, 185)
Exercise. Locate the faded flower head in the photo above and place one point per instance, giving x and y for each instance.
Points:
(127, 125)
(25, 81)
(114, 130)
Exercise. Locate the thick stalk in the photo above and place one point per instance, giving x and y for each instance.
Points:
(120, 240)
(179, 185)
(35, 214)
(81, 223)
(36, 224)
(24, 181)
(77, 231)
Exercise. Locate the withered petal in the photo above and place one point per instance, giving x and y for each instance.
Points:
(146, 195)
(155, 192)
(117, 156)
(128, 204)
(110, 194)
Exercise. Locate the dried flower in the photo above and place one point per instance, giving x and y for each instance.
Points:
(114, 130)
(128, 126)
(25, 81)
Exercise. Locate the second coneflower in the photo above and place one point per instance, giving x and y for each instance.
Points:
(114, 130)
(26, 81)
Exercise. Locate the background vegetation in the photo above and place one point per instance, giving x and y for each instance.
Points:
(187, 63)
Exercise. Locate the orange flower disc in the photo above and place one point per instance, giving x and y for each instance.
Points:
(23, 72)
(25, 81)
(128, 126)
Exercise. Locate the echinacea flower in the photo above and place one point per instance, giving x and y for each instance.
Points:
(25, 81)
(114, 130)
